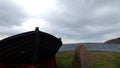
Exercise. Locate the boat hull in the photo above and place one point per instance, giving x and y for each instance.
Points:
(28, 48)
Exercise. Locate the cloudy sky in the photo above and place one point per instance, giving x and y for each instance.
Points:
(72, 20)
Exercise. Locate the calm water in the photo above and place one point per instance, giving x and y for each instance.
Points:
(92, 47)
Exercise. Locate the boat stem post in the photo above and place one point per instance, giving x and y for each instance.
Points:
(37, 45)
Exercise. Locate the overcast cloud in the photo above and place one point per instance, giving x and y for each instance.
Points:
(74, 20)
(87, 20)
(10, 14)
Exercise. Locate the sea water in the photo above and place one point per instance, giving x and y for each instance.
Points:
(92, 47)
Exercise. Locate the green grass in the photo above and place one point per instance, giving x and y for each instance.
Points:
(64, 59)
(105, 59)
(97, 59)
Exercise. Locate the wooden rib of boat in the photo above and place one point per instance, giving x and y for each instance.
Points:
(31, 47)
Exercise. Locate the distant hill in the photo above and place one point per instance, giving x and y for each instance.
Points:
(113, 41)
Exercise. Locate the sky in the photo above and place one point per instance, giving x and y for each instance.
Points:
(73, 20)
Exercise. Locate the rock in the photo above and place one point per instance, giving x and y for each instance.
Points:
(81, 58)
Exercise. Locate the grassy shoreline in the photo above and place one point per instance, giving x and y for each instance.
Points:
(98, 59)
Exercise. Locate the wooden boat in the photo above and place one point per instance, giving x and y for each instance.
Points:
(31, 47)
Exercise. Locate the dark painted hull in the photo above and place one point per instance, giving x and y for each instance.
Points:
(28, 48)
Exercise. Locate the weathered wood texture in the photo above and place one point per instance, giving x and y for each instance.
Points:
(81, 58)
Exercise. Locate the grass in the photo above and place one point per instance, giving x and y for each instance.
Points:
(105, 59)
(64, 59)
(97, 59)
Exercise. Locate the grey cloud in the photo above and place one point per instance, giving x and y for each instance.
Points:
(87, 20)
(74, 15)
(11, 13)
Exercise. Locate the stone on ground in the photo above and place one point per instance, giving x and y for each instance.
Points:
(81, 58)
